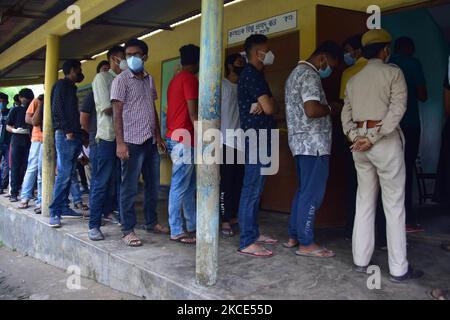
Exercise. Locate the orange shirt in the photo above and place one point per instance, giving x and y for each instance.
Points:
(36, 134)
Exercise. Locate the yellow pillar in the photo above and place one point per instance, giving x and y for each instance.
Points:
(48, 153)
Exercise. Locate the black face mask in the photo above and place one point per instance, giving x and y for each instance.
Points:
(238, 70)
(80, 77)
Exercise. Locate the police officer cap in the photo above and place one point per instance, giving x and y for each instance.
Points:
(376, 36)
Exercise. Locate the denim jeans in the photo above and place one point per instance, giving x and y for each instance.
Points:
(34, 170)
(312, 174)
(4, 156)
(182, 188)
(19, 156)
(103, 182)
(143, 159)
(67, 152)
(75, 191)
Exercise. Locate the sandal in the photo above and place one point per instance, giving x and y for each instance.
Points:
(266, 240)
(37, 210)
(289, 245)
(259, 252)
(318, 253)
(439, 294)
(132, 240)
(81, 206)
(184, 239)
(23, 205)
(227, 232)
(159, 229)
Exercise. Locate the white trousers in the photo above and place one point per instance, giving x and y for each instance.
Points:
(384, 166)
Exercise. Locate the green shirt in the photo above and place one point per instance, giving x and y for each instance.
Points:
(412, 69)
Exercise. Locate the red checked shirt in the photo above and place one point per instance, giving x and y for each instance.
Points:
(138, 98)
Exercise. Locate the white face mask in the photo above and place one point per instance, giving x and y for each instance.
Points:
(123, 65)
(269, 59)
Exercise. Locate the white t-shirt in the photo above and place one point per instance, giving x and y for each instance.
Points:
(229, 113)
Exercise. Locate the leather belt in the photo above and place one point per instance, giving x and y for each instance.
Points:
(370, 124)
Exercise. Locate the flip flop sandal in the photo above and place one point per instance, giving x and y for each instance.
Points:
(444, 295)
(315, 254)
(287, 245)
(81, 206)
(227, 232)
(132, 240)
(268, 240)
(161, 230)
(23, 205)
(255, 253)
(185, 239)
(38, 211)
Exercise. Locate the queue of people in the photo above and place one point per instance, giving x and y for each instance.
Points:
(119, 126)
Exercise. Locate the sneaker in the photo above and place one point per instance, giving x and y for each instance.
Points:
(55, 222)
(14, 199)
(112, 218)
(96, 235)
(69, 213)
(414, 228)
(410, 275)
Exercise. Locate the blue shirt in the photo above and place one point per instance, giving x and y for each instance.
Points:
(252, 85)
(412, 69)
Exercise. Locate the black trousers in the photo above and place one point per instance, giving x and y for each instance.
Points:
(19, 161)
(232, 176)
(412, 139)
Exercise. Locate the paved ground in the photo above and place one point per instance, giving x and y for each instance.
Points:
(284, 276)
(24, 278)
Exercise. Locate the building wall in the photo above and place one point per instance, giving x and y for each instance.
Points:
(165, 45)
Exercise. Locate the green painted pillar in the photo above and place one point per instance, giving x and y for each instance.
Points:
(208, 175)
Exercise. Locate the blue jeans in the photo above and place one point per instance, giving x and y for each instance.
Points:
(67, 152)
(252, 189)
(103, 182)
(75, 191)
(182, 189)
(143, 159)
(312, 174)
(34, 170)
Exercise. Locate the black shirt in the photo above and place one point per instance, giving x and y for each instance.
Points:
(65, 113)
(89, 107)
(16, 119)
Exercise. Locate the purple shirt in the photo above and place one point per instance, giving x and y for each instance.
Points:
(137, 96)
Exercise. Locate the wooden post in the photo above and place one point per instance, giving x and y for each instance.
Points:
(208, 176)
(48, 152)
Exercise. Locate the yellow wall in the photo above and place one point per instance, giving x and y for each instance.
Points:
(165, 45)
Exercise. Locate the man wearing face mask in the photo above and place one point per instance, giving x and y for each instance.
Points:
(66, 122)
(138, 138)
(308, 116)
(374, 106)
(232, 174)
(20, 141)
(354, 59)
(103, 183)
(5, 138)
(256, 110)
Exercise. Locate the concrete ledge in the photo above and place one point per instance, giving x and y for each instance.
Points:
(32, 235)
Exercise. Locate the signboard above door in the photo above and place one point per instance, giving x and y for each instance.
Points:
(269, 26)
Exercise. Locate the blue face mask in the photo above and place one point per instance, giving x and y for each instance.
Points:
(135, 64)
(349, 60)
(2, 106)
(326, 73)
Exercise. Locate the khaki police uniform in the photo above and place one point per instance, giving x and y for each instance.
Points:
(376, 100)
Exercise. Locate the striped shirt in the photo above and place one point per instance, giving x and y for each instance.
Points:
(137, 96)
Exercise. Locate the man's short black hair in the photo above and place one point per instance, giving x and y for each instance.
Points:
(254, 40)
(4, 96)
(231, 59)
(404, 43)
(69, 65)
(16, 99)
(137, 43)
(331, 49)
(354, 42)
(115, 50)
(372, 51)
(101, 65)
(190, 55)
(26, 93)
